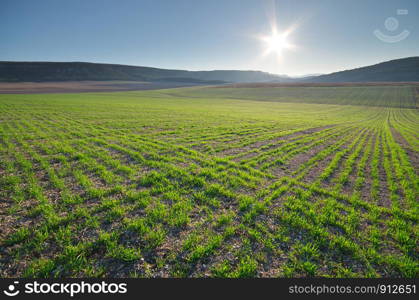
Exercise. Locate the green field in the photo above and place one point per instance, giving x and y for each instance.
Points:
(211, 182)
(386, 95)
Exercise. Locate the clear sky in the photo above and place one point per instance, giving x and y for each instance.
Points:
(328, 35)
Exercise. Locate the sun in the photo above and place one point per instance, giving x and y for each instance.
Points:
(276, 42)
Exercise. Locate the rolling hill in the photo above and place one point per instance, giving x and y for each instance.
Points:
(398, 70)
(81, 71)
(404, 69)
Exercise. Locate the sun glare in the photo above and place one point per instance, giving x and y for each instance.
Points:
(276, 43)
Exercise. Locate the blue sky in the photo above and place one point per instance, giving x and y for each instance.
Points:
(329, 35)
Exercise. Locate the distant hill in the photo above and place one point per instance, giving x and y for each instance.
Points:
(81, 71)
(404, 69)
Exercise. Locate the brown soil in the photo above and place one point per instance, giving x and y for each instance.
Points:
(348, 187)
(84, 86)
(366, 188)
(383, 193)
(316, 170)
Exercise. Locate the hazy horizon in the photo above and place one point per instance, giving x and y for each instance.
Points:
(324, 36)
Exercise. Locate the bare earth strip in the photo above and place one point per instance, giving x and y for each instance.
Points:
(85, 86)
